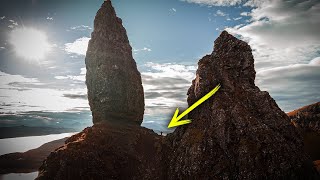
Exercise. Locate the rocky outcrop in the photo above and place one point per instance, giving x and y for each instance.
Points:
(240, 133)
(115, 91)
(107, 151)
(307, 117)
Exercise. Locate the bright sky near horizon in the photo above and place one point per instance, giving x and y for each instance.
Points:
(43, 45)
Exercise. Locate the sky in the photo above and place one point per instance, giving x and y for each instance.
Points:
(43, 45)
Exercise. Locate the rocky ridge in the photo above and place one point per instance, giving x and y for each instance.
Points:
(307, 117)
(107, 151)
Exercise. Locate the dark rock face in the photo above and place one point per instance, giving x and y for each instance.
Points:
(307, 117)
(107, 151)
(115, 91)
(239, 133)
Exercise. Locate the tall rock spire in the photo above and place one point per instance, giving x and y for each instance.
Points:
(115, 91)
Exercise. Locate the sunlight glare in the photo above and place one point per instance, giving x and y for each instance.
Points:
(29, 43)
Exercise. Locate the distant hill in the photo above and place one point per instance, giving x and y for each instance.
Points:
(22, 131)
(28, 161)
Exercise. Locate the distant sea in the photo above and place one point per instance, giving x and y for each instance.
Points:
(77, 120)
(22, 144)
(19, 176)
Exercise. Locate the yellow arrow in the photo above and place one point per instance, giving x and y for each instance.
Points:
(175, 119)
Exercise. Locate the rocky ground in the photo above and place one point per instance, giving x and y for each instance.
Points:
(108, 151)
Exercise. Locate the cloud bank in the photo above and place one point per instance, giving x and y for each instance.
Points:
(215, 2)
(282, 32)
(78, 47)
(284, 36)
(292, 86)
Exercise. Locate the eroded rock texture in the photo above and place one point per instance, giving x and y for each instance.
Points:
(239, 133)
(115, 92)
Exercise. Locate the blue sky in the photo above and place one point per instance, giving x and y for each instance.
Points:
(168, 38)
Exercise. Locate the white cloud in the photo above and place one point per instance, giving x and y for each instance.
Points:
(165, 86)
(2, 17)
(172, 70)
(238, 18)
(284, 36)
(7, 79)
(215, 2)
(83, 71)
(220, 13)
(256, 3)
(74, 78)
(21, 94)
(79, 46)
(145, 49)
(80, 77)
(315, 61)
(13, 22)
(173, 10)
(81, 28)
(292, 86)
(251, 3)
(282, 32)
(244, 14)
(49, 18)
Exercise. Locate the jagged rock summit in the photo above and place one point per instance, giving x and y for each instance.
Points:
(239, 133)
(115, 91)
